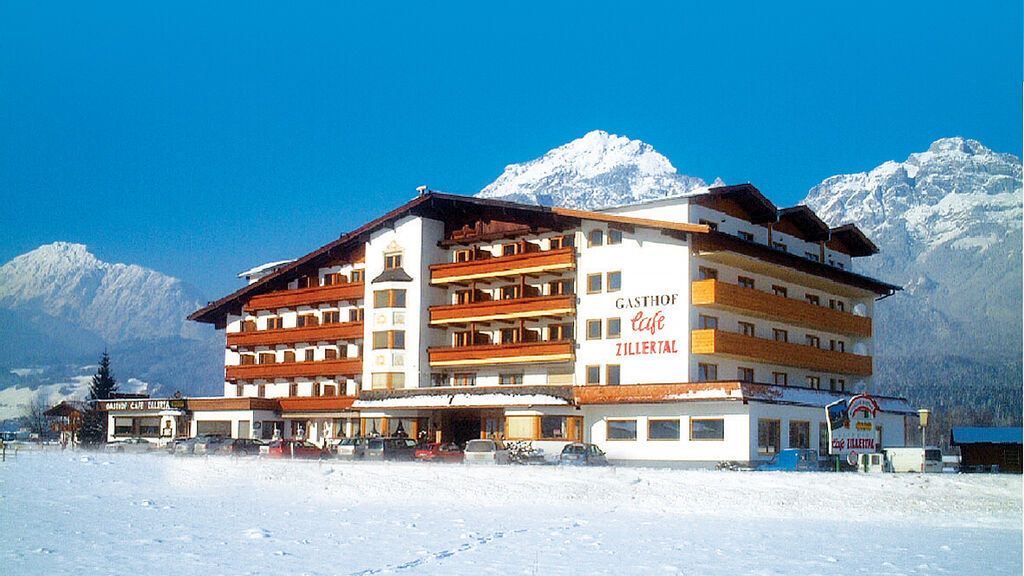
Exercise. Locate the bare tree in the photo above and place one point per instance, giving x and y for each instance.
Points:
(35, 416)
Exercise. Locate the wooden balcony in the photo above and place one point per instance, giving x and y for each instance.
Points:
(504, 309)
(748, 301)
(519, 353)
(781, 353)
(326, 368)
(306, 297)
(312, 334)
(529, 263)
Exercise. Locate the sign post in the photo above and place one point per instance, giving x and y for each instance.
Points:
(851, 427)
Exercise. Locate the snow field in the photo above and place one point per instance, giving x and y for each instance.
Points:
(93, 513)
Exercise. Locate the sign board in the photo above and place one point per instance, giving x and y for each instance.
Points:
(145, 405)
(851, 426)
(647, 325)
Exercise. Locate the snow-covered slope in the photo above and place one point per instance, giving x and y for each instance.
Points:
(596, 171)
(948, 224)
(60, 307)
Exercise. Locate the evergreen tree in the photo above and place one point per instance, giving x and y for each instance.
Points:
(93, 430)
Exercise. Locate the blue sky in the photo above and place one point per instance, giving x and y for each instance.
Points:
(200, 139)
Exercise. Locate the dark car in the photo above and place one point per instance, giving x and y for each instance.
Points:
(390, 449)
(434, 452)
(295, 449)
(241, 446)
(580, 454)
(208, 443)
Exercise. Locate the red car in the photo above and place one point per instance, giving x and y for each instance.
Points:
(295, 449)
(434, 452)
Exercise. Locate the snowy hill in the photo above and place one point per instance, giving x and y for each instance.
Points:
(599, 170)
(61, 307)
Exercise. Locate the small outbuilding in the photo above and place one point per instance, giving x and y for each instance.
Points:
(989, 449)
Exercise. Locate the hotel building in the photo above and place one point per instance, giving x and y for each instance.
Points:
(694, 330)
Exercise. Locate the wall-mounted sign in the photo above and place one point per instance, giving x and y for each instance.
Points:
(178, 404)
(646, 325)
(851, 426)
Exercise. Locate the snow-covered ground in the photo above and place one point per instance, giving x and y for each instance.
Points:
(89, 513)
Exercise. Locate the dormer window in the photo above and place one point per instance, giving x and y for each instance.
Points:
(392, 260)
(745, 236)
(509, 249)
(713, 226)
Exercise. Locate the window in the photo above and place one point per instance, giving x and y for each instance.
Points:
(330, 354)
(249, 326)
(510, 292)
(747, 329)
(357, 276)
(355, 315)
(593, 283)
(306, 320)
(463, 255)
(614, 236)
(780, 335)
(837, 345)
(813, 341)
(705, 273)
(799, 434)
(707, 322)
(554, 427)
(562, 242)
(745, 236)
(309, 354)
(560, 332)
(306, 282)
(509, 335)
(667, 429)
(813, 299)
(745, 282)
(561, 287)
(510, 379)
(614, 281)
(332, 279)
(612, 375)
(823, 439)
(779, 246)
(293, 389)
(707, 428)
(332, 317)
(835, 385)
(836, 304)
(246, 359)
(621, 429)
(261, 391)
(779, 290)
(289, 356)
(593, 374)
(745, 374)
(392, 260)
(389, 298)
(316, 389)
(711, 225)
(268, 358)
(509, 249)
(613, 327)
(275, 323)
(389, 339)
(707, 372)
(780, 378)
(814, 382)
(595, 238)
(811, 256)
(387, 380)
(768, 434)
(593, 329)
(463, 379)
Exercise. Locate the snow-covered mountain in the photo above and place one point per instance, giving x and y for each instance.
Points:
(948, 224)
(60, 307)
(599, 170)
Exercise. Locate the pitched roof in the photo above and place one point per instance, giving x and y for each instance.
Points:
(977, 435)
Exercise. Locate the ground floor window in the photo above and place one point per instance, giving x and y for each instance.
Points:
(621, 430)
(269, 428)
(222, 427)
(823, 439)
(799, 434)
(145, 426)
(521, 427)
(659, 429)
(707, 428)
(768, 436)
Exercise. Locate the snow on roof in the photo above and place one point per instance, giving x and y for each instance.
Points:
(263, 269)
(463, 400)
(980, 435)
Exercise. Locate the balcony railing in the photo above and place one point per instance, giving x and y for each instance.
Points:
(504, 309)
(722, 295)
(518, 353)
(776, 352)
(326, 368)
(306, 297)
(528, 263)
(321, 333)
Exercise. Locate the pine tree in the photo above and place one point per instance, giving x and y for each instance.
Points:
(93, 430)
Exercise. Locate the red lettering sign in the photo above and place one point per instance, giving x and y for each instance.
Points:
(650, 324)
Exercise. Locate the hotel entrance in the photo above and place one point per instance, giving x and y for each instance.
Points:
(463, 425)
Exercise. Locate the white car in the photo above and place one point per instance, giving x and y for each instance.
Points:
(485, 452)
(136, 445)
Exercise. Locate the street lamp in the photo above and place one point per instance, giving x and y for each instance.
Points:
(922, 415)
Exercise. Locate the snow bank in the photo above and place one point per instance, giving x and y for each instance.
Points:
(74, 513)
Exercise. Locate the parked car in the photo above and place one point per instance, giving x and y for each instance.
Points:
(188, 446)
(793, 459)
(580, 454)
(172, 445)
(485, 451)
(390, 449)
(434, 452)
(351, 448)
(295, 449)
(208, 443)
(241, 446)
(134, 445)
